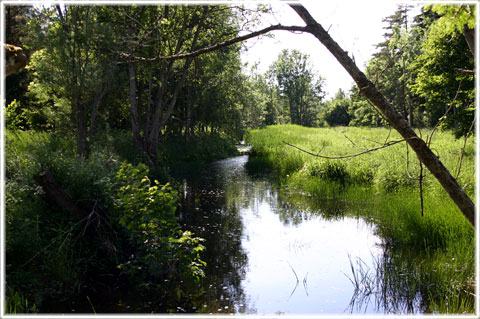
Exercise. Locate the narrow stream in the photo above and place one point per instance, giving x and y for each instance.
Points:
(265, 256)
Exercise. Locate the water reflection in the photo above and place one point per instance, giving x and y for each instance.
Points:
(392, 285)
(267, 256)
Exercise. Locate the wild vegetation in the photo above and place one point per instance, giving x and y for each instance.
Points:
(384, 184)
(112, 105)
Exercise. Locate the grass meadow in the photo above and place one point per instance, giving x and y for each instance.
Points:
(436, 250)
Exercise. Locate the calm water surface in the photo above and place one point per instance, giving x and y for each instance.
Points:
(266, 256)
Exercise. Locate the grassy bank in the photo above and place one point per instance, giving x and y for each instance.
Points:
(381, 186)
(58, 261)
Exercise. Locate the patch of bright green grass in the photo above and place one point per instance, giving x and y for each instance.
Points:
(380, 185)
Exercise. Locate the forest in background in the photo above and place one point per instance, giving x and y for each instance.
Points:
(106, 100)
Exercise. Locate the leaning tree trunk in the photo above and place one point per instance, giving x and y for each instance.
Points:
(431, 161)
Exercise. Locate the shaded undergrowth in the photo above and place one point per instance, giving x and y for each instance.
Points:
(129, 238)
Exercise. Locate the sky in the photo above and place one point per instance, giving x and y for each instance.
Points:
(356, 26)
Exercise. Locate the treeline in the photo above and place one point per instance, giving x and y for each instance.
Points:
(93, 68)
(97, 68)
(424, 67)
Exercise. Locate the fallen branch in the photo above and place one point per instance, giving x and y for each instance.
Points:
(463, 71)
(367, 88)
(387, 144)
(462, 151)
(57, 195)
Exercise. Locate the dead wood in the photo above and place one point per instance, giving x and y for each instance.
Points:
(57, 196)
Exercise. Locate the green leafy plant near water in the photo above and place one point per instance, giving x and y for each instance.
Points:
(148, 215)
(130, 235)
(382, 188)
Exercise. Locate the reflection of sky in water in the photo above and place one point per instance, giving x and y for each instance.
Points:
(317, 250)
(281, 247)
(258, 243)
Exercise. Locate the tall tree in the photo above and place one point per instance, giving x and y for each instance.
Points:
(444, 70)
(155, 83)
(388, 67)
(299, 85)
(72, 63)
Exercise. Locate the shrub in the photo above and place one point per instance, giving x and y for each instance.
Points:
(147, 212)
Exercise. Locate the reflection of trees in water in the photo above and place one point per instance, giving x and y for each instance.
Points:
(393, 285)
(295, 207)
(205, 210)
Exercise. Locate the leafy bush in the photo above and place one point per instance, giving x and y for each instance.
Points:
(54, 255)
(148, 215)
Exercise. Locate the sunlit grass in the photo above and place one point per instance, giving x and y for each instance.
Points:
(382, 185)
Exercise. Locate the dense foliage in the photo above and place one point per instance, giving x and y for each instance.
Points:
(129, 234)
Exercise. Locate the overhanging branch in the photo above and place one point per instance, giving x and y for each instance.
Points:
(219, 45)
(347, 156)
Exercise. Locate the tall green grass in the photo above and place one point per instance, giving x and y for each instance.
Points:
(386, 169)
(380, 185)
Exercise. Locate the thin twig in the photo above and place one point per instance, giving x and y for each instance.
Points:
(408, 165)
(53, 241)
(388, 136)
(462, 151)
(420, 185)
(353, 143)
(296, 284)
(429, 138)
(351, 155)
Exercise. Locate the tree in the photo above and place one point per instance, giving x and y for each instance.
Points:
(72, 63)
(361, 111)
(389, 66)
(191, 24)
(424, 153)
(337, 112)
(298, 85)
(441, 69)
(155, 84)
(215, 92)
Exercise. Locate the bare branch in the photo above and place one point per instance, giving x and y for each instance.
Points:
(462, 152)
(429, 138)
(219, 45)
(367, 88)
(407, 168)
(463, 71)
(353, 143)
(347, 156)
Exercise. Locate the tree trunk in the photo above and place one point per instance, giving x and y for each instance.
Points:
(81, 127)
(469, 35)
(431, 161)
(57, 195)
(188, 111)
(99, 97)
(139, 142)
